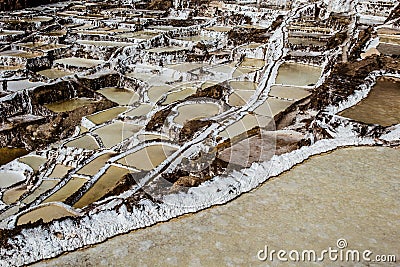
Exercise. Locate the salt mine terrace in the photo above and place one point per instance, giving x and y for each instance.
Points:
(103, 105)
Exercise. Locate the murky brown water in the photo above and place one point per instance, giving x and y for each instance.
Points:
(120, 96)
(105, 184)
(8, 154)
(106, 115)
(148, 158)
(116, 132)
(289, 92)
(273, 106)
(71, 187)
(86, 142)
(54, 73)
(196, 111)
(381, 106)
(47, 213)
(69, 105)
(298, 74)
(95, 165)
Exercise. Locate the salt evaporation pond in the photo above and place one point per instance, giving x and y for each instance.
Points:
(381, 106)
(196, 111)
(245, 124)
(20, 54)
(141, 110)
(120, 96)
(179, 95)
(240, 98)
(54, 73)
(149, 157)
(12, 195)
(298, 74)
(289, 92)
(70, 104)
(106, 115)
(102, 186)
(85, 142)
(63, 193)
(79, 62)
(96, 164)
(20, 85)
(47, 213)
(33, 161)
(42, 188)
(273, 106)
(116, 132)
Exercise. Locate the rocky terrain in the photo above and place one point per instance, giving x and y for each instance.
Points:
(117, 115)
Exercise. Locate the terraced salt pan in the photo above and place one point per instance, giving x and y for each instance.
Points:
(243, 85)
(245, 124)
(9, 178)
(12, 195)
(79, 62)
(389, 49)
(140, 110)
(33, 161)
(224, 69)
(241, 71)
(251, 46)
(42, 188)
(60, 171)
(272, 107)
(20, 54)
(179, 95)
(70, 104)
(106, 115)
(253, 63)
(64, 192)
(240, 98)
(116, 132)
(104, 43)
(298, 74)
(48, 213)
(85, 142)
(155, 93)
(20, 85)
(120, 96)
(219, 29)
(105, 184)
(289, 92)
(375, 108)
(196, 111)
(54, 73)
(148, 157)
(95, 165)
